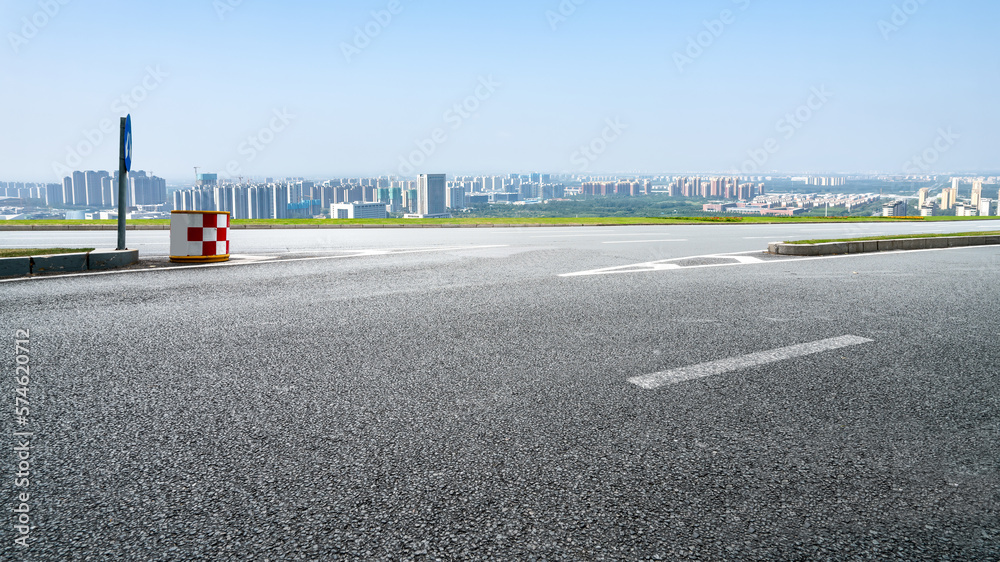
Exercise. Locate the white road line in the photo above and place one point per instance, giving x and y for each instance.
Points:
(712, 368)
(601, 234)
(744, 259)
(251, 257)
(644, 241)
(251, 260)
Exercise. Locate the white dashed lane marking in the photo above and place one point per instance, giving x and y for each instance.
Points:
(674, 376)
(644, 241)
(602, 235)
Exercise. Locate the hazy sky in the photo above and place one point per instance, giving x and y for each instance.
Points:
(463, 87)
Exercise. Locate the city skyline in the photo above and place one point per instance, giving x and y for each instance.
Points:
(988, 177)
(394, 88)
(83, 195)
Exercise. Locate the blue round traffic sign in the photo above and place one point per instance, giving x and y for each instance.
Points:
(128, 143)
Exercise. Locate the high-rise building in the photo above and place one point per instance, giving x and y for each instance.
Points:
(279, 200)
(95, 191)
(79, 189)
(923, 196)
(295, 191)
(431, 195)
(67, 191)
(410, 200)
(54, 194)
(225, 199)
(207, 180)
(894, 209)
(396, 199)
(107, 191)
(977, 192)
(259, 203)
(240, 203)
(947, 198)
(144, 189)
(308, 190)
(351, 193)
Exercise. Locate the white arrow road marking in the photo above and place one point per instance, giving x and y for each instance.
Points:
(741, 258)
(662, 265)
(673, 376)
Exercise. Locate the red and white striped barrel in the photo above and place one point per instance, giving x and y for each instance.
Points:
(199, 236)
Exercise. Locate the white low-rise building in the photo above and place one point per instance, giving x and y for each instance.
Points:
(358, 211)
(966, 210)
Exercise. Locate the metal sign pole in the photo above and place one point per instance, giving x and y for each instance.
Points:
(121, 189)
(124, 167)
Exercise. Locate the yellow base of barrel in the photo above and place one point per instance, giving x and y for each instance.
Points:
(199, 259)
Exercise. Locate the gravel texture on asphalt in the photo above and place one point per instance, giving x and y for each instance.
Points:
(473, 405)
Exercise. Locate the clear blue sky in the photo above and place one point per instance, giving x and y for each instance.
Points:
(226, 76)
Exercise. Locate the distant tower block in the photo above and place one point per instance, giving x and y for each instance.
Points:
(431, 196)
(977, 192)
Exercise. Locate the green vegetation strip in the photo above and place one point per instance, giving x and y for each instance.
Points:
(25, 252)
(586, 221)
(511, 221)
(897, 237)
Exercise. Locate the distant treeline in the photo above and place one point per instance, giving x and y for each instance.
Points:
(642, 206)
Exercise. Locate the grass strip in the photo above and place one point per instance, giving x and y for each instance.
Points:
(515, 221)
(586, 221)
(897, 237)
(24, 252)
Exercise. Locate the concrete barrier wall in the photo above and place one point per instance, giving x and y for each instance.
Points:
(59, 263)
(12, 267)
(98, 260)
(868, 246)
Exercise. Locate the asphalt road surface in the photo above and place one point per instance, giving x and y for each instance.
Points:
(622, 240)
(646, 393)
